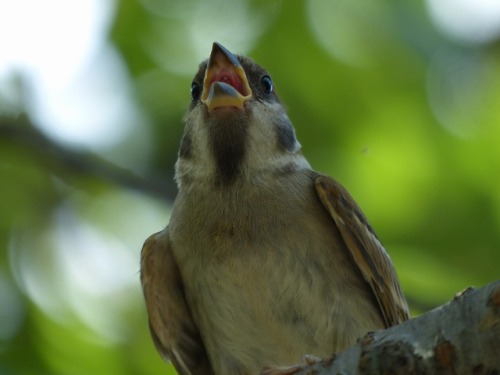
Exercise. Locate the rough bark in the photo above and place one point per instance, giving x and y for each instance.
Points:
(461, 337)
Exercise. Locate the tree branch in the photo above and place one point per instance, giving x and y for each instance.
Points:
(461, 337)
(22, 133)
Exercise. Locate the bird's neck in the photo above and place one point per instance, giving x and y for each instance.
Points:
(258, 171)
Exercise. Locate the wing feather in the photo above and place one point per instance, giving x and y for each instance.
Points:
(365, 248)
(173, 329)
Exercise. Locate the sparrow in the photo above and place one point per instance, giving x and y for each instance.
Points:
(264, 260)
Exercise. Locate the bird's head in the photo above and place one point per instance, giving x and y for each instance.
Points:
(236, 127)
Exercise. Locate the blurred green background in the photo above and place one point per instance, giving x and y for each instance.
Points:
(400, 101)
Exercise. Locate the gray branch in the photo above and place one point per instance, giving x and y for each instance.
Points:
(461, 337)
(65, 161)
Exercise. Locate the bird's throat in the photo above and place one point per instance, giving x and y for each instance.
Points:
(227, 137)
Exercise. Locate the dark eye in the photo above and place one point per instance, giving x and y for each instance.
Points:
(195, 91)
(267, 84)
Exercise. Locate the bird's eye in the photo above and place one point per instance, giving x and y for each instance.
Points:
(267, 84)
(195, 91)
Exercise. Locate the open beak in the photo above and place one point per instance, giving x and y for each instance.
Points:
(225, 83)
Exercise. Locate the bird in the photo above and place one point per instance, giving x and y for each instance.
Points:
(264, 260)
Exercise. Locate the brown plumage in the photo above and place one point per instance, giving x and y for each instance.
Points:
(263, 260)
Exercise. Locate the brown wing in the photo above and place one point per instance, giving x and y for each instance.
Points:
(365, 248)
(172, 327)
